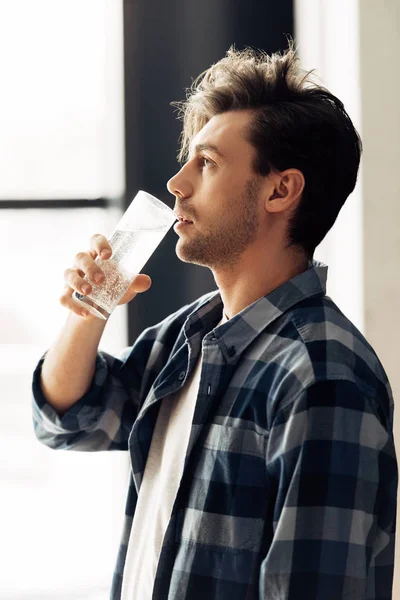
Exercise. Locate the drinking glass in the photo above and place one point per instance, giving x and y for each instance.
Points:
(140, 230)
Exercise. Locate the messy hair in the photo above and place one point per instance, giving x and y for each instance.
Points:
(296, 123)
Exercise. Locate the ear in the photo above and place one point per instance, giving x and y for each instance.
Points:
(285, 190)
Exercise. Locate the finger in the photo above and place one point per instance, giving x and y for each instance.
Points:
(74, 280)
(100, 245)
(84, 262)
(140, 284)
(67, 301)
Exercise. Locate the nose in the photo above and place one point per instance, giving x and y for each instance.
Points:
(179, 185)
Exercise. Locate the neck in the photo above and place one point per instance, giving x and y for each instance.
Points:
(250, 279)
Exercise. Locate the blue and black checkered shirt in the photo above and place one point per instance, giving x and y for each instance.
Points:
(290, 478)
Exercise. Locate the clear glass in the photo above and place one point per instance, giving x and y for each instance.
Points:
(140, 230)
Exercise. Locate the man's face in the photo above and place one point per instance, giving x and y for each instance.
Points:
(218, 191)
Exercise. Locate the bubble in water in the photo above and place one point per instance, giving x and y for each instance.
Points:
(110, 292)
(131, 250)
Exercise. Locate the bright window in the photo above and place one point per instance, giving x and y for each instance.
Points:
(61, 118)
(61, 112)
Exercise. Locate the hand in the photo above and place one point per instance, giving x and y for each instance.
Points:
(84, 265)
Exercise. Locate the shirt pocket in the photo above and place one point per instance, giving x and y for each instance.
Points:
(226, 503)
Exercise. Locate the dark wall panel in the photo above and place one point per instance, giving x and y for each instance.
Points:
(167, 43)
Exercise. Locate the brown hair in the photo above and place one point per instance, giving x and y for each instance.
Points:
(296, 124)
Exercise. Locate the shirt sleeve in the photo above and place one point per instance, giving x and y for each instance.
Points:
(102, 418)
(331, 461)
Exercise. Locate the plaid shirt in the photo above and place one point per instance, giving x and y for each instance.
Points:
(290, 478)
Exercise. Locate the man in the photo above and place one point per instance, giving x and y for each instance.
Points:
(258, 419)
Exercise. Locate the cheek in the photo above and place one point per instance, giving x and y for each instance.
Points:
(219, 195)
(221, 183)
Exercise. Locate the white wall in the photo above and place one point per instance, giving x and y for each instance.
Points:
(327, 38)
(355, 46)
(380, 89)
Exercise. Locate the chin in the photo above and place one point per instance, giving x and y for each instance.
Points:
(190, 255)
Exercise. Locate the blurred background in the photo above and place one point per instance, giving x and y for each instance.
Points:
(86, 121)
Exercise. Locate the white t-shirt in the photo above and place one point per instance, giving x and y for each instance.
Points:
(161, 479)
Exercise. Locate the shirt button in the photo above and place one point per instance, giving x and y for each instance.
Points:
(181, 375)
(212, 338)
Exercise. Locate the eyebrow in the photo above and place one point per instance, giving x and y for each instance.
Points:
(206, 146)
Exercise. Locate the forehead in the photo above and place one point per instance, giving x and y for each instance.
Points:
(227, 131)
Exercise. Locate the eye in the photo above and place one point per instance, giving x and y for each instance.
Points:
(205, 162)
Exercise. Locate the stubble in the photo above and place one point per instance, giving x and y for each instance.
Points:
(222, 246)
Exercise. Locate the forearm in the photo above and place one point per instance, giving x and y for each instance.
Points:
(69, 365)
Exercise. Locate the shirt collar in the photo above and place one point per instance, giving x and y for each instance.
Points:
(237, 333)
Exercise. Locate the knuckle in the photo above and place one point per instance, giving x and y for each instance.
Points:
(63, 300)
(96, 273)
(64, 297)
(80, 256)
(97, 237)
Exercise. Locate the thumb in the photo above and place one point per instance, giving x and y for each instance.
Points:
(141, 283)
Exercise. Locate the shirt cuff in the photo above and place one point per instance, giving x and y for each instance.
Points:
(81, 415)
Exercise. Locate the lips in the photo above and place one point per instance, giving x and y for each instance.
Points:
(182, 224)
(183, 219)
